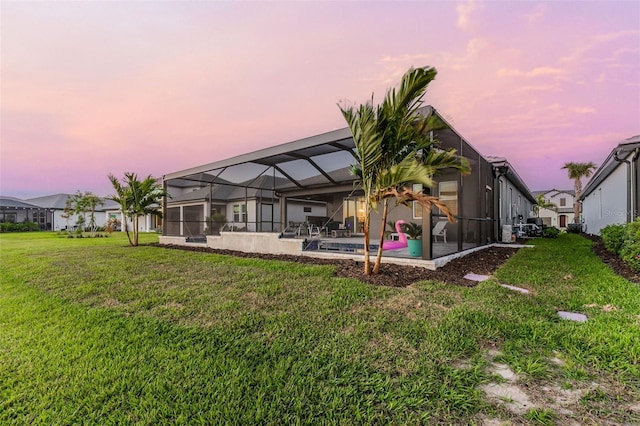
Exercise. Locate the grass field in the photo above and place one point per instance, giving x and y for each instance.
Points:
(93, 331)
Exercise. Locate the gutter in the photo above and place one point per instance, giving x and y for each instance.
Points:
(632, 202)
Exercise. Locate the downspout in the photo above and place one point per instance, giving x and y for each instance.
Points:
(497, 191)
(164, 207)
(630, 201)
(635, 194)
(461, 210)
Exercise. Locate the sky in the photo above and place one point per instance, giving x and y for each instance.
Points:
(92, 88)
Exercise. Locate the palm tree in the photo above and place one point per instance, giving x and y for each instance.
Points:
(121, 197)
(576, 172)
(542, 203)
(92, 201)
(394, 150)
(136, 198)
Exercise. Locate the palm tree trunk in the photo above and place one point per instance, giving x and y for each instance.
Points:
(376, 266)
(135, 231)
(126, 230)
(367, 222)
(576, 204)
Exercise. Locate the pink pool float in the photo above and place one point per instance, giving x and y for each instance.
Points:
(401, 243)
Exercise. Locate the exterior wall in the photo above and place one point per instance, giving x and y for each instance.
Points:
(549, 217)
(296, 213)
(607, 203)
(60, 223)
(513, 204)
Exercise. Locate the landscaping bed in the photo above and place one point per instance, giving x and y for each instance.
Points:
(484, 262)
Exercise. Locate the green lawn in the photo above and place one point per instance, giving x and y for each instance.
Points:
(93, 331)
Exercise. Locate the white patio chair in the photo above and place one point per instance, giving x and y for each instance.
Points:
(440, 231)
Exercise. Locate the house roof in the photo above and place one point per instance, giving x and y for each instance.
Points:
(59, 202)
(262, 186)
(623, 149)
(314, 162)
(54, 201)
(9, 203)
(510, 173)
(555, 191)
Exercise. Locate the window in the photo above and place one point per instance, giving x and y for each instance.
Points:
(239, 212)
(449, 195)
(39, 217)
(307, 209)
(511, 204)
(417, 207)
(563, 202)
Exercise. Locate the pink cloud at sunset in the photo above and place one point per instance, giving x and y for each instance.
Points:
(91, 88)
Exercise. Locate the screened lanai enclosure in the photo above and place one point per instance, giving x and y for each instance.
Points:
(302, 195)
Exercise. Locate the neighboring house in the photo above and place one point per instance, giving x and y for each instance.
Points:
(49, 212)
(56, 203)
(15, 210)
(563, 214)
(612, 195)
(308, 181)
(514, 199)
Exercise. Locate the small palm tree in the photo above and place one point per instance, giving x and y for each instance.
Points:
(394, 151)
(137, 198)
(543, 203)
(576, 172)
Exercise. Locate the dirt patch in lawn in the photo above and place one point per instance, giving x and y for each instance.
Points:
(484, 262)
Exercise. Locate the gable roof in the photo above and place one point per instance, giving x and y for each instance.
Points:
(555, 191)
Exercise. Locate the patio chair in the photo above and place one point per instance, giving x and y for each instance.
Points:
(440, 231)
(314, 230)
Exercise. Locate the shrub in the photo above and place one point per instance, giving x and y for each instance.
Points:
(613, 237)
(551, 232)
(574, 228)
(630, 250)
(19, 227)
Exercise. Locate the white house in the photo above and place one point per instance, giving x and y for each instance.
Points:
(563, 213)
(14, 210)
(613, 193)
(55, 204)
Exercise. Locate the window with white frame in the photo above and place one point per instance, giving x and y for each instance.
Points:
(417, 207)
(448, 194)
(239, 212)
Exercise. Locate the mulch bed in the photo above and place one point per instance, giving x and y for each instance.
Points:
(483, 262)
(613, 261)
(480, 262)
